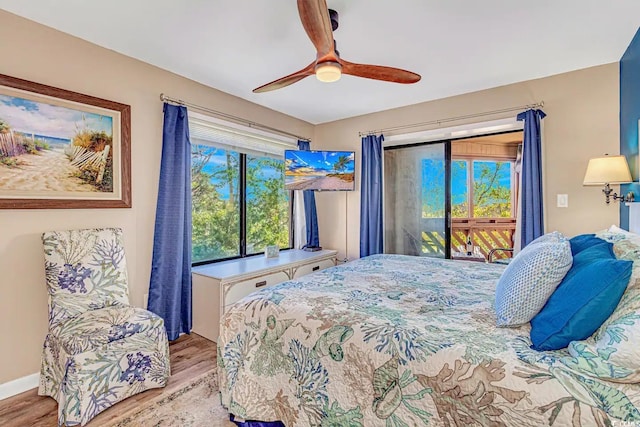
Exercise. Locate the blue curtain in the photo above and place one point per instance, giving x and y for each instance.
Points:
(532, 225)
(371, 227)
(170, 286)
(311, 216)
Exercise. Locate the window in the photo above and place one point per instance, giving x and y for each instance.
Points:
(268, 208)
(481, 188)
(215, 187)
(239, 204)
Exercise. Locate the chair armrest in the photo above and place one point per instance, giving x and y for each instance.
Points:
(492, 251)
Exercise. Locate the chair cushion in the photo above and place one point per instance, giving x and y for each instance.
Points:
(582, 242)
(583, 301)
(95, 328)
(529, 280)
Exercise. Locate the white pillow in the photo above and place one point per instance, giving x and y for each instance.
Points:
(615, 229)
(530, 279)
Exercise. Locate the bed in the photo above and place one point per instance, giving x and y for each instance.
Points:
(393, 340)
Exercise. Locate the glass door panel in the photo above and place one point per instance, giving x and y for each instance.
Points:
(417, 199)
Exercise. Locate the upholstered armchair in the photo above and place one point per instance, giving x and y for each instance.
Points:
(99, 350)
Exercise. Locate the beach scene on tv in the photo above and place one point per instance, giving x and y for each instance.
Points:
(319, 170)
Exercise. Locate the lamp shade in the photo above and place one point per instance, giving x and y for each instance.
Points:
(607, 170)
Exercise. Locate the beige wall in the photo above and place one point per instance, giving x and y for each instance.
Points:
(582, 122)
(34, 52)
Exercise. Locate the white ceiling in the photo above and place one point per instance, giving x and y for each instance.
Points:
(457, 46)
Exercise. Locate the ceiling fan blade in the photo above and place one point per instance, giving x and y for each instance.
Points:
(315, 20)
(379, 72)
(287, 80)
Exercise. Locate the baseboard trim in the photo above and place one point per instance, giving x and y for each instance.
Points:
(19, 385)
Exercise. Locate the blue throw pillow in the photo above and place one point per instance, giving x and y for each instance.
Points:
(582, 302)
(602, 250)
(582, 242)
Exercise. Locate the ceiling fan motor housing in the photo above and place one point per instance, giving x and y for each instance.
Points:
(333, 16)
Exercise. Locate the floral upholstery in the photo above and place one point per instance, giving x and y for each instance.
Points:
(99, 350)
(96, 328)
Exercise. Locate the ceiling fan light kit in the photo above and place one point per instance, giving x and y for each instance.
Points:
(328, 72)
(319, 22)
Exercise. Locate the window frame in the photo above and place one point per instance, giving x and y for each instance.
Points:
(242, 199)
(470, 180)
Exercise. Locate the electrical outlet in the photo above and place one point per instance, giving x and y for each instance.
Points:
(563, 200)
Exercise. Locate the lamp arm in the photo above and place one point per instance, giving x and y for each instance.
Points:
(607, 190)
(624, 199)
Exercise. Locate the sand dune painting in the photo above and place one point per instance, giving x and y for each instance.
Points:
(52, 148)
(319, 170)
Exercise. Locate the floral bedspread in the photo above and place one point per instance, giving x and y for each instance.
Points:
(392, 340)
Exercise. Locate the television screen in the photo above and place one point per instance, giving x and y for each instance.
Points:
(319, 170)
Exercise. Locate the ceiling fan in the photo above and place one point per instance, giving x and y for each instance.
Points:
(319, 23)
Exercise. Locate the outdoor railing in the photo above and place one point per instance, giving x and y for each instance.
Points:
(486, 234)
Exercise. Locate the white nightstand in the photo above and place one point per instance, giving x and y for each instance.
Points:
(219, 285)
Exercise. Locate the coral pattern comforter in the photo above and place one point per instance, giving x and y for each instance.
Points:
(393, 340)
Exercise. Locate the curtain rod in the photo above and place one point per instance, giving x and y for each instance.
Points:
(453, 119)
(249, 123)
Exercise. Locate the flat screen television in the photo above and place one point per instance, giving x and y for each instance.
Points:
(319, 170)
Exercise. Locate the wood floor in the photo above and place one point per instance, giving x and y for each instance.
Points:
(191, 355)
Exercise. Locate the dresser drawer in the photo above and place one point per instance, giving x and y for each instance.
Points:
(311, 268)
(242, 289)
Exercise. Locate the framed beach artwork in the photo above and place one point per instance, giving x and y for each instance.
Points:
(62, 149)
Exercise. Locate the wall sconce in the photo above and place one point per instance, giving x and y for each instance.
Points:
(609, 170)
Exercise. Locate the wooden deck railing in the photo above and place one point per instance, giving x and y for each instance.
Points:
(486, 234)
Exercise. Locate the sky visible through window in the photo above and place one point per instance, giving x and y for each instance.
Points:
(218, 161)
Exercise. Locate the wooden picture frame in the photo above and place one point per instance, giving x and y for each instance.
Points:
(61, 149)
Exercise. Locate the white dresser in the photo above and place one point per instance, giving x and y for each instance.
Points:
(218, 285)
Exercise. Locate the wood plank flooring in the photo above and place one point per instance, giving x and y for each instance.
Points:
(191, 355)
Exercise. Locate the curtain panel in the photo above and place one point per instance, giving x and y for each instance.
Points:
(532, 219)
(371, 226)
(311, 216)
(170, 284)
(299, 220)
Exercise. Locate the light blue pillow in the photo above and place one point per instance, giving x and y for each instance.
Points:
(581, 304)
(529, 280)
(554, 236)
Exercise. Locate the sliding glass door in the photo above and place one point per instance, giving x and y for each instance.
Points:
(417, 199)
